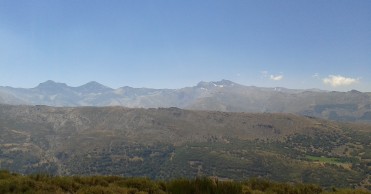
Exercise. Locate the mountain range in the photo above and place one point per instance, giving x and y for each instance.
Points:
(221, 129)
(221, 95)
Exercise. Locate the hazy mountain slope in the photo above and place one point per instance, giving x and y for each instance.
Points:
(166, 143)
(8, 98)
(343, 106)
(218, 96)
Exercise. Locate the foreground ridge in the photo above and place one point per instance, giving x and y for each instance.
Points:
(41, 183)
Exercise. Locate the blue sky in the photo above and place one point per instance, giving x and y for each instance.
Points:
(322, 44)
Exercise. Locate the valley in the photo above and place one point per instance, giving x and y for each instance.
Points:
(167, 143)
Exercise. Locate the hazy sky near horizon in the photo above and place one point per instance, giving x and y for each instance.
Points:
(322, 44)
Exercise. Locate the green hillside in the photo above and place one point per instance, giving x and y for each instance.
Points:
(164, 144)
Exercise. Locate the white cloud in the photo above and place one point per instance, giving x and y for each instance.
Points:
(338, 80)
(265, 74)
(316, 75)
(276, 77)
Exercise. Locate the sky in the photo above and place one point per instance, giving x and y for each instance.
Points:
(324, 44)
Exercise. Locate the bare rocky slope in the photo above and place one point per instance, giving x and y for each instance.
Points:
(170, 142)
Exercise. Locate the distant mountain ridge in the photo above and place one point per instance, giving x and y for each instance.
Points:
(221, 95)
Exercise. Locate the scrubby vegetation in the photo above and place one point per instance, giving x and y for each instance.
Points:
(171, 143)
(42, 183)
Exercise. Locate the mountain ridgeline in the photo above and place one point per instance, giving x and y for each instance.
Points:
(222, 95)
(167, 143)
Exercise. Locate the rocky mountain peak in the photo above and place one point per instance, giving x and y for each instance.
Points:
(51, 84)
(93, 87)
(222, 83)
